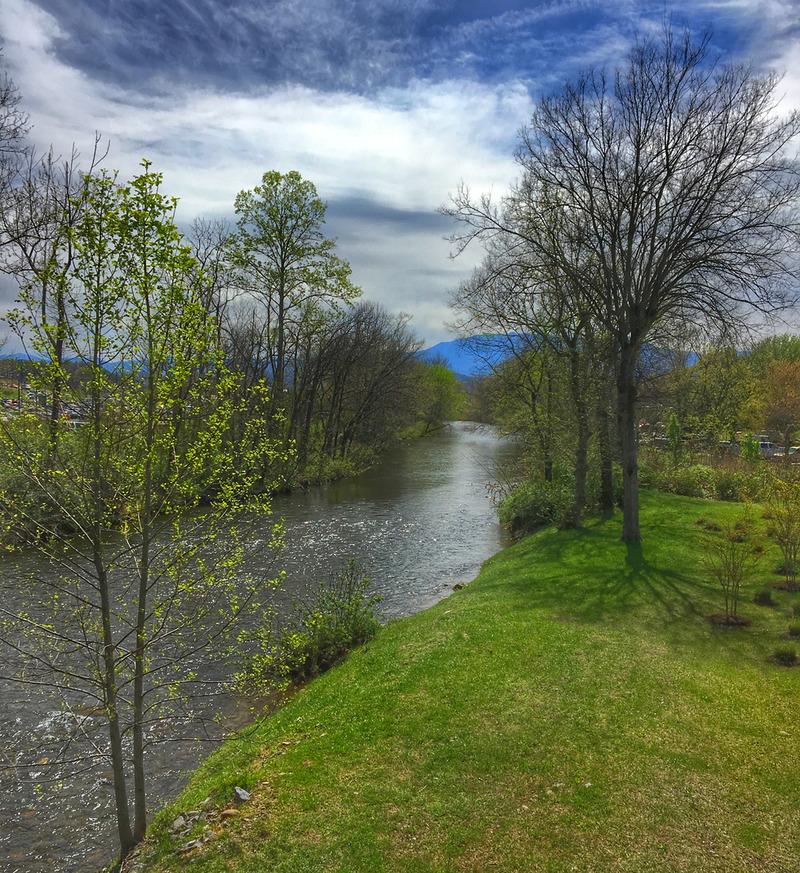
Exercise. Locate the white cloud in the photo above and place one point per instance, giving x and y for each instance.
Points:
(404, 148)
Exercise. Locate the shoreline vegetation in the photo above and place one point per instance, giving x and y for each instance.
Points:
(571, 709)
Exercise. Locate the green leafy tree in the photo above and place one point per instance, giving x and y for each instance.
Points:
(286, 263)
(441, 394)
(146, 585)
(722, 392)
(781, 347)
(750, 449)
(674, 437)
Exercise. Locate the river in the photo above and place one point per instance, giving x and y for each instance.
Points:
(420, 522)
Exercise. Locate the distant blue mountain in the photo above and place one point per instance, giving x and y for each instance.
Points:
(471, 357)
(476, 356)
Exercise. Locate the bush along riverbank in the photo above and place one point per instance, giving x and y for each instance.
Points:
(571, 709)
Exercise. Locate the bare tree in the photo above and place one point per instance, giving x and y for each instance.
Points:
(366, 376)
(209, 240)
(675, 179)
(42, 207)
(545, 321)
(13, 132)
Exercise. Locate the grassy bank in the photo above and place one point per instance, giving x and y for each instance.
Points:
(570, 710)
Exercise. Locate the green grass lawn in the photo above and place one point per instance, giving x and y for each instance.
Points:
(570, 710)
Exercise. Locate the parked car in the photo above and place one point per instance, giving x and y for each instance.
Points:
(768, 449)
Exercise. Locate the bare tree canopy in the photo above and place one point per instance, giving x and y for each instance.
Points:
(668, 191)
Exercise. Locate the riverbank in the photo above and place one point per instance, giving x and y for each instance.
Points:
(569, 710)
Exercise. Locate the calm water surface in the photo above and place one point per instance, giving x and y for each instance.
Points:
(420, 522)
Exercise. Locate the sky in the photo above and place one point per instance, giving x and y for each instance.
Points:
(385, 105)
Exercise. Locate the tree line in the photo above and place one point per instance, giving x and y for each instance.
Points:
(343, 373)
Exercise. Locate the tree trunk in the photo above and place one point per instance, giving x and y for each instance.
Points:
(126, 840)
(582, 448)
(58, 383)
(109, 681)
(626, 419)
(605, 449)
(139, 794)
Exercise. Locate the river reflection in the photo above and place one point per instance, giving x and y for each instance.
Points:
(420, 522)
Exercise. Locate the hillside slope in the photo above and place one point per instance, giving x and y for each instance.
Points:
(570, 710)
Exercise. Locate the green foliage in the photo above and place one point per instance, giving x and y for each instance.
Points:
(674, 437)
(695, 481)
(735, 485)
(715, 396)
(161, 584)
(782, 347)
(322, 467)
(652, 476)
(750, 449)
(340, 617)
(441, 395)
(283, 257)
(731, 481)
(534, 504)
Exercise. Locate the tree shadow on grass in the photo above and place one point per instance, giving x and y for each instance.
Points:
(588, 576)
(674, 595)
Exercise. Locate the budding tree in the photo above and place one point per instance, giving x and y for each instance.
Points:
(141, 508)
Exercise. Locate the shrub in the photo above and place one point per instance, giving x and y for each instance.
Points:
(695, 481)
(535, 504)
(728, 480)
(732, 485)
(794, 631)
(650, 477)
(796, 610)
(763, 598)
(750, 449)
(785, 657)
(340, 617)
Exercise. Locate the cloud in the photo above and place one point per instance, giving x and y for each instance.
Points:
(318, 43)
(398, 152)
(386, 106)
(405, 146)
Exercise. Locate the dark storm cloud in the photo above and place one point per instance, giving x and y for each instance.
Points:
(352, 45)
(368, 213)
(349, 45)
